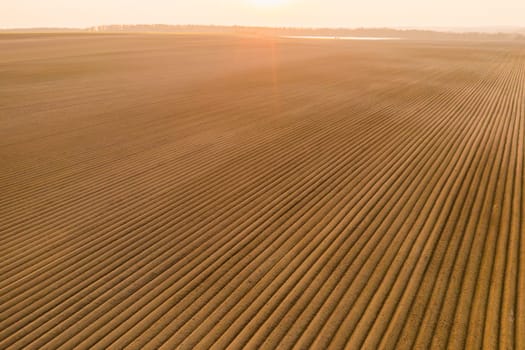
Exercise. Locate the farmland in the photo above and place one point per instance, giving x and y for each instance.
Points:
(213, 191)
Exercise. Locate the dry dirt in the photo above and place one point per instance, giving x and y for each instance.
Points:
(192, 191)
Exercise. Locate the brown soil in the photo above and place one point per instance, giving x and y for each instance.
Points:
(164, 191)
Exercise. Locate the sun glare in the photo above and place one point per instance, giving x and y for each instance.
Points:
(267, 3)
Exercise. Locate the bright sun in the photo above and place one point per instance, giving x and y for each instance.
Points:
(267, 3)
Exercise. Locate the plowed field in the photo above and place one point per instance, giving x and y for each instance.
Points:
(193, 191)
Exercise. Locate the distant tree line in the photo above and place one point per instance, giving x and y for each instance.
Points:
(280, 31)
(414, 34)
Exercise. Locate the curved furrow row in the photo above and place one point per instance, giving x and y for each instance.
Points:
(488, 288)
(175, 311)
(110, 185)
(83, 243)
(65, 274)
(419, 233)
(427, 267)
(349, 216)
(394, 231)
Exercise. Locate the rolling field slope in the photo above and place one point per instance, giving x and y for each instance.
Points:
(197, 192)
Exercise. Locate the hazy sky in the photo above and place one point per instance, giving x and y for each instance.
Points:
(331, 13)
